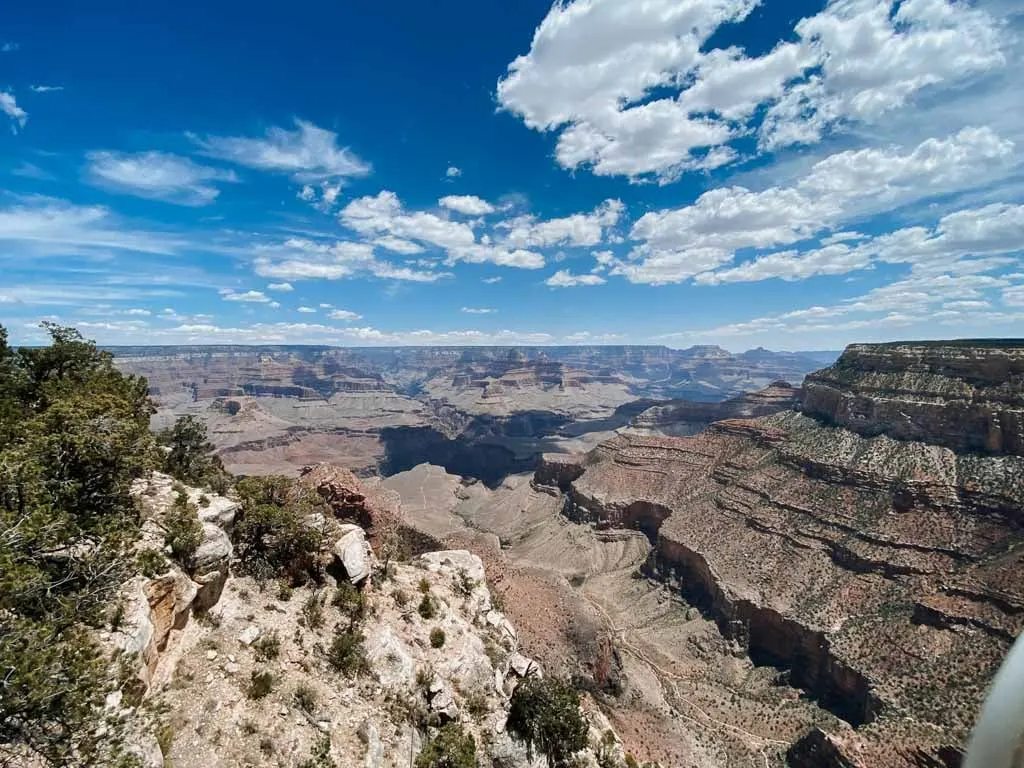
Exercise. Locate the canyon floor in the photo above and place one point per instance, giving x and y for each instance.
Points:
(689, 697)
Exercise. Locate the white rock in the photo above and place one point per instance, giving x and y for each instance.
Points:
(210, 563)
(523, 666)
(211, 655)
(453, 561)
(353, 552)
(370, 736)
(249, 635)
(220, 511)
(390, 659)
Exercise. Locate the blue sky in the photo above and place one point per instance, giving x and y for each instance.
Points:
(793, 175)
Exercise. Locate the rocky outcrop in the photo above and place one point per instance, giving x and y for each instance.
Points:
(883, 572)
(968, 396)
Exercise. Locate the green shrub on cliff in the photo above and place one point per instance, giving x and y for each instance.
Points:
(74, 433)
(545, 713)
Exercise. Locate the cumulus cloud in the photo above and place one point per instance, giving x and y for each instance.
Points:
(479, 310)
(309, 154)
(633, 90)
(579, 229)
(251, 297)
(305, 259)
(492, 280)
(453, 172)
(344, 314)
(471, 205)
(563, 278)
(283, 287)
(156, 176)
(307, 310)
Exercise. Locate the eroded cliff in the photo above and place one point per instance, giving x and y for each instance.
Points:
(870, 545)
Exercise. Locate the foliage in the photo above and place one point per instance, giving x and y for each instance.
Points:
(305, 698)
(270, 536)
(451, 747)
(151, 563)
(437, 637)
(183, 532)
(267, 647)
(426, 608)
(74, 434)
(189, 454)
(321, 755)
(351, 601)
(313, 611)
(261, 684)
(347, 654)
(545, 713)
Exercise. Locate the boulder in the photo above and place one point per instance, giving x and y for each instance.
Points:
(390, 660)
(370, 736)
(353, 553)
(211, 562)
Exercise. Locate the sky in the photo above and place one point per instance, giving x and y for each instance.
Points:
(787, 174)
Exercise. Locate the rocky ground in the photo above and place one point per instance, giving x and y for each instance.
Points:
(220, 670)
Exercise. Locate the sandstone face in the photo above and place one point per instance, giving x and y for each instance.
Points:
(885, 573)
(968, 396)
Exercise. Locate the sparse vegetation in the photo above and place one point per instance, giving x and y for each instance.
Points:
(347, 654)
(451, 747)
(189, 455)
(437, 637)
(305, 698)
(545, 713)
(351, 601)
(400, 597)
(321, 755)
(313, 611)
(151, 563)
(261, 684)
(426, 608)
(267, 647)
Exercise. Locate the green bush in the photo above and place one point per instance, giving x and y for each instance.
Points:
(351, 601)
(151, 563)
(267, 647)
(261, 684)
(437, 637)
(426, 608)
(305, 698)
(189, 454)
(321, 755)
(270, 538)
(74, 434)
(347, 654)
(545, 713)
(183, 532)
(451, 747)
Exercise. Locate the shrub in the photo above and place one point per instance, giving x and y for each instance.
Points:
(347, 654)
(351, 601)
(74, 435)
(284, 591)
(204, 500)
(190, 454)
(426, 608)
(545, 713)
(267, 647)
(451, 747)
(321, 755)
(424, 586)
(313, 611)
(400, 597)
(261, 684)
(305, 698)
(183, 532)
(271, 540)
(437, 637)
(151, 563)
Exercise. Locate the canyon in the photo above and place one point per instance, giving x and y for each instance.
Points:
(789, 567)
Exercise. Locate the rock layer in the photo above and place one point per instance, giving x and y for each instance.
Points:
(884, 573)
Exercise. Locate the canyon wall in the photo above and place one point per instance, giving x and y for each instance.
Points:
(877, 560)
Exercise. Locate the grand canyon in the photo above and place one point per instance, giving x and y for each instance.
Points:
(804, 559)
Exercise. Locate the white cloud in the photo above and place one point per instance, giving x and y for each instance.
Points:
(471, 205)
(156, 176)
(1013, 296)
(492, 280)
(29, 170)
(594, 65)
(398, 245)
(344, 314)
(45, 88)
(563, 278)
(9, 106)
(326, 306)
(579, 229)
(9, 47)
(307, 310)
(283, 287)
(479, 310)
(49, 227)
(303, 259)
(252, 297)
(308, 154)
(453, 172)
